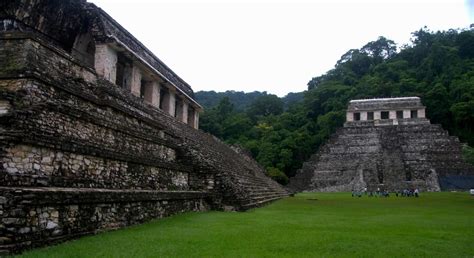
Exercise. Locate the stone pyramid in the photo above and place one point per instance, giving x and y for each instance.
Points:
(387, 144)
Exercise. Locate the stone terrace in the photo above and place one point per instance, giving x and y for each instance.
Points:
(389, 153)
(80, 153)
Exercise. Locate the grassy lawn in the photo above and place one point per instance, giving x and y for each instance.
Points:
(308, 225)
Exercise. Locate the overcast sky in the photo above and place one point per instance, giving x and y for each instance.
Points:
(274, 46)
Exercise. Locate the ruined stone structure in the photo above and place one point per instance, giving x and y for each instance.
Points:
(97, 133)
(387, 144)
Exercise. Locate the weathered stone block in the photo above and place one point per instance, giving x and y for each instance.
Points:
(407, 154)
(82, 154)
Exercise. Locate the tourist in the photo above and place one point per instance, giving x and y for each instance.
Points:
(416, 192)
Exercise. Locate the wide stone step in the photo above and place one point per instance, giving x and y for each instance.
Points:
(251, 177)
(256, 188)
(259, 203)
(269, 193)
(265, 196)
(258, 185)
(255, 184)
(62, 195)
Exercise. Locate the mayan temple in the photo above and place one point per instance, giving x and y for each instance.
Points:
(97, 133)
(388, 144)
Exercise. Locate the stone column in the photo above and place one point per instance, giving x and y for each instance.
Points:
(421, 113)
(392, 114)
(152, 93)
(185, 112)
(196, 119)
(406, 113)
(349, 116)
(136, 81)
(363, 116)
(106, 62)
(172, 106)
(376, 115)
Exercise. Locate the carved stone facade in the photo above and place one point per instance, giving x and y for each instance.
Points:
(386, 144)
(97, 133)
(387, 111)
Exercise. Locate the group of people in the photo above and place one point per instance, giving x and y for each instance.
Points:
(384, 193)
(408, 193)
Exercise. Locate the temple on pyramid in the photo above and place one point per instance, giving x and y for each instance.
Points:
(388, 144)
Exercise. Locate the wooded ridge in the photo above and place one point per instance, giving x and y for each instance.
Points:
(281, 133)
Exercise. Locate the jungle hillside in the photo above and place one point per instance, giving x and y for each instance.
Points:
(282, 133)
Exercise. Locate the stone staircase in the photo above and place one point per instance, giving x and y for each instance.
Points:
(258, 191)
(386, 157)
(241, 181)
(237, 174)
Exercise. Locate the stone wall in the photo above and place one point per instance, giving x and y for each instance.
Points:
(62, 22)
(385, 104)
(406, 110)
(79, 154)
(391, 157)
(73, 161)
(32, 217)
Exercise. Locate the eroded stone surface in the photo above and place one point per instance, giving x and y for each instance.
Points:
(85, 150)
(391, 154)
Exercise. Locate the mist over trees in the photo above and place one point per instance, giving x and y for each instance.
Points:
(282, 134)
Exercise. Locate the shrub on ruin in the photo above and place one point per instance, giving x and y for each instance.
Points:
(277, 175)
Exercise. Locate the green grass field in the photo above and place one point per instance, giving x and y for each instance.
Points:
(308, 225)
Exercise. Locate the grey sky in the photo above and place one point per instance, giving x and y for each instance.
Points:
(274, 46)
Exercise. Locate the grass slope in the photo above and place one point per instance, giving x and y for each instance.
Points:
(334, 225)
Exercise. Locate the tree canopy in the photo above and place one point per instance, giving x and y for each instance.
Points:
(436, 66)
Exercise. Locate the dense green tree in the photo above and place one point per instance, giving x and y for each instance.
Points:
(240, 99)
(436, 66)
(380, 49)
(278, 175)
(466, 44)
(264, 106)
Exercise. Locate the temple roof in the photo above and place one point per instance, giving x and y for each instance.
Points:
(62, 22)
(399, 103)
(385, 99)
